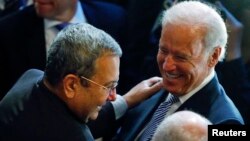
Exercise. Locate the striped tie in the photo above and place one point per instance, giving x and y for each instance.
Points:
(157, 118)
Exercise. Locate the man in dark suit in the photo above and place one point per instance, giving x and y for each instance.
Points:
(81, 74)
(26, 35)
(189, 49)
(145, 30)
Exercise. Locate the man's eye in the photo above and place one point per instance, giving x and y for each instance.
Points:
(114, 85)
(181, 58)
(162, 51)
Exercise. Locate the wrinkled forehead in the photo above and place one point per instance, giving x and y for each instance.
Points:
(177, 34)
(191, 30)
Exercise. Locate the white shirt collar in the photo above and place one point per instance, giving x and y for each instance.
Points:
(79, 17)
(205, 82)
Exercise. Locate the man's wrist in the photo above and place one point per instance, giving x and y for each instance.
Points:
(120, 106)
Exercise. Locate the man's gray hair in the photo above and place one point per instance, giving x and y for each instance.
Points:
(200, 17)
(75, 50)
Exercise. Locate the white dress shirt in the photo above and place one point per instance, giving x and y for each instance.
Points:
(51, 31)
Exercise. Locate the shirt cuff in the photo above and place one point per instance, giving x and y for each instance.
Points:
(120, 106)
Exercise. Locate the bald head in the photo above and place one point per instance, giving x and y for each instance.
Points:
(183, 126)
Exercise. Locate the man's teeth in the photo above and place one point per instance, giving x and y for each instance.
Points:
(172, 75)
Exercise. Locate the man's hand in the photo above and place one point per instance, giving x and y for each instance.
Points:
(142, 91)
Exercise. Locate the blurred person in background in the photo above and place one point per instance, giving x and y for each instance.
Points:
(27, 34)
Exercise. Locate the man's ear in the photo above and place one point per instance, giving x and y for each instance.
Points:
(214, 56)
(70, 83)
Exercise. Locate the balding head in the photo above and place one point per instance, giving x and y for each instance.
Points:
(183, 126)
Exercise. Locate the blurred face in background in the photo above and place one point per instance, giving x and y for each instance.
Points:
(182, 59)
(61, 10)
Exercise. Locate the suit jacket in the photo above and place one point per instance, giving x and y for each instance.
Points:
(211, 102)
(233, 77)
(22, 39)
(31, 112)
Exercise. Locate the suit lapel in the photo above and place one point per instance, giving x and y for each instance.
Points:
(205, 97)
(139, 116)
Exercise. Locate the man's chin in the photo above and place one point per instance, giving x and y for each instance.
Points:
(94, 116)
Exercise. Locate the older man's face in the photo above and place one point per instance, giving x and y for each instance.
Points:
(182, 59)
(101, 89)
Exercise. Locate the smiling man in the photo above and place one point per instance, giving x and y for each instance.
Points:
(193, 40)
(81, 74)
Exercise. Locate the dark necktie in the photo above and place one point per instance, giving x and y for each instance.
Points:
(61, 25)
(157, 118)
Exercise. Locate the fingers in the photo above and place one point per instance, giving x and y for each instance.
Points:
(143, 90)
(154, 80)
(154, 84)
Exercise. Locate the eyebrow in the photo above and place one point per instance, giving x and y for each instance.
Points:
(109, 83)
